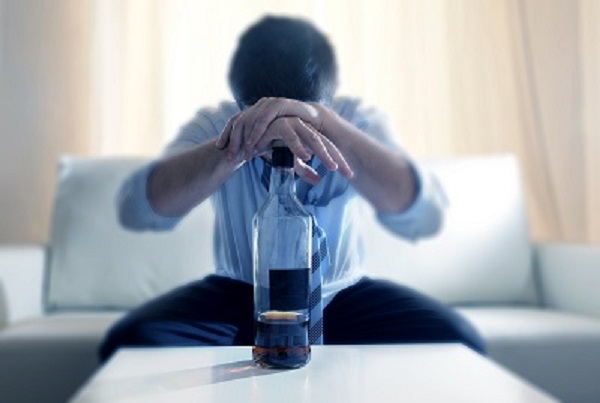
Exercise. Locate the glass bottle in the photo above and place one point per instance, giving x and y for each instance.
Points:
(282, 263)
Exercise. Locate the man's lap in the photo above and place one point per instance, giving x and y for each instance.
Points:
(219, 311)
(380, 311)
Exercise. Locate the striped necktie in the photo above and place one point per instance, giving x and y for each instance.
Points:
(319, 258)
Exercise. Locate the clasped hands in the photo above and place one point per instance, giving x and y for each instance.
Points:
(249, 134)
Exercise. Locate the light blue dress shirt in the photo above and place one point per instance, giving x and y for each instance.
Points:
(334, 202)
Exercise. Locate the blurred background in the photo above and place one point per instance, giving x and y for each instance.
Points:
(455, 77)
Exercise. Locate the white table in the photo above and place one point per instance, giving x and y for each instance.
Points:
(381, 373)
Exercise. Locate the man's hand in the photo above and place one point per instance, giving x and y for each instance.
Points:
(251, 132)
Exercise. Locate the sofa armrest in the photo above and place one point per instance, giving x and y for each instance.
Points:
(569, 276)
(21, 282)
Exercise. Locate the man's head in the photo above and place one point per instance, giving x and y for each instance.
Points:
(283, 57)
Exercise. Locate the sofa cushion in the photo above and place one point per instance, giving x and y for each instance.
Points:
(95, 263)
(534, 342)
(482, 254)
(50, 356)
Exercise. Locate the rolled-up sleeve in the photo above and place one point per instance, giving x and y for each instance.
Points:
(135, 211)
(425, 216)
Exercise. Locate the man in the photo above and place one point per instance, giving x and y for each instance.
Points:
(283, 77)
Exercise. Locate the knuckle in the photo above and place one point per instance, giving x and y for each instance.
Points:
(262, 121)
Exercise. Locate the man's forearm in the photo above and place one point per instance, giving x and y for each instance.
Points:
(383, 176)
(180, 182)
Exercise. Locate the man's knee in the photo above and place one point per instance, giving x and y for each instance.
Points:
(125, 333)
(148, 332)
(469, 336)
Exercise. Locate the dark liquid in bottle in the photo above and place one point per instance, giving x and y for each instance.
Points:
(281, 340)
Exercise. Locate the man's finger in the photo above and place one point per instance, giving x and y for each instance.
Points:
(236, 138)
(314, 140)
(287, 132)
(273, 108)
(306, 172)
(343, 166)
(223, 138)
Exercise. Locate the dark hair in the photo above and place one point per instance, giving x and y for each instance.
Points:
(283, 57)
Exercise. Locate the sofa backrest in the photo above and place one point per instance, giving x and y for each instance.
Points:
(483, 252)
(481, 255)
(94, 263)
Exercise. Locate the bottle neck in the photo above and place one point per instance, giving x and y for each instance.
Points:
(282, 182)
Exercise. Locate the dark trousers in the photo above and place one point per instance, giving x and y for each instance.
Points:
(218, 311)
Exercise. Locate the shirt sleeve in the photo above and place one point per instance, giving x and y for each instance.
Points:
(425, 216)
(206, 125)
(135, 210)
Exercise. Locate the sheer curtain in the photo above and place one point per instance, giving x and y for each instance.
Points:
(455, 77)
(155, 62)
(589, 14)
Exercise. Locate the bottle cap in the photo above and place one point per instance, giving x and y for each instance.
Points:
(282, 156)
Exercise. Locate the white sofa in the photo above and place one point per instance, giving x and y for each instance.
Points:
(536, 305)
